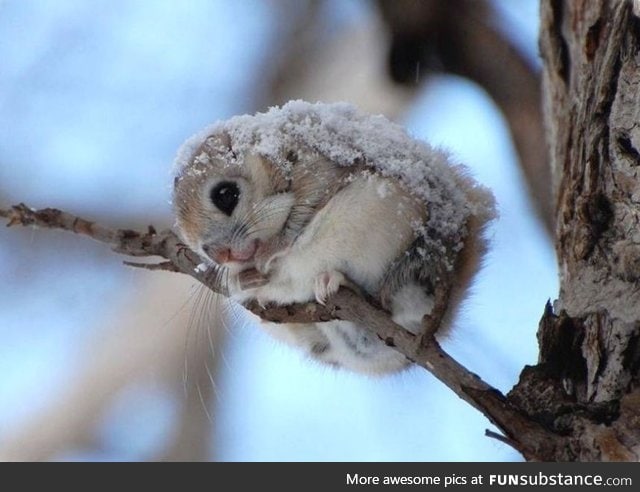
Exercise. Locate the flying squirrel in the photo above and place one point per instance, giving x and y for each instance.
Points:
(315, 196)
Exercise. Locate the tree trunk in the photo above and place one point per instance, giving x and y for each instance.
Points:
(586, 384)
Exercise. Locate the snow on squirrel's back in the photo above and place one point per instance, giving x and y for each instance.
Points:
(345, 135)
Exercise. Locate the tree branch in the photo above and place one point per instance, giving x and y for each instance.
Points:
(527, 436)
(124, 241)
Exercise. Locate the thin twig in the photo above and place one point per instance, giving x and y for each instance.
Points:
(165, 266)
(498, 437)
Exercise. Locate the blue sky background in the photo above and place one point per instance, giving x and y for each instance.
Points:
(95, 98)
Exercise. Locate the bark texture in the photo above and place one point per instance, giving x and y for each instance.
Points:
(586, 384)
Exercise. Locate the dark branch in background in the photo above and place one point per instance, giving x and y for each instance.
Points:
(461, 37)
(524, 434)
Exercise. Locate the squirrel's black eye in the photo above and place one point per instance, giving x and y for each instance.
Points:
(225, 196)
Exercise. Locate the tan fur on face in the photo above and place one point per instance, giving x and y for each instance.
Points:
(187, 203)
(208, 164)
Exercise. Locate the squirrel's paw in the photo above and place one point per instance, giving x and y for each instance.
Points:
(327, 284)
(269, 252)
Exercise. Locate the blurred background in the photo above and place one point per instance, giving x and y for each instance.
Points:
(99, 361)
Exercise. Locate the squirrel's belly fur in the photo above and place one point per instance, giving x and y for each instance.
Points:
(346, 236)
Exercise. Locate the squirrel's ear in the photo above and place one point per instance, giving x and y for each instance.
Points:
(220, 142)
(217, 145)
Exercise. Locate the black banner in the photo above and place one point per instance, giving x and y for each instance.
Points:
(351, 477)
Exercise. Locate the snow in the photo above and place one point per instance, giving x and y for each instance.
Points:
(348, 136)
(201, 268)
(190, 146)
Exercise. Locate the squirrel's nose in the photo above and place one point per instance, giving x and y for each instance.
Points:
(219, 255)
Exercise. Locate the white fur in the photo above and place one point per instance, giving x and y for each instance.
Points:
(345, 345)
(357, 234)
(409, 305)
